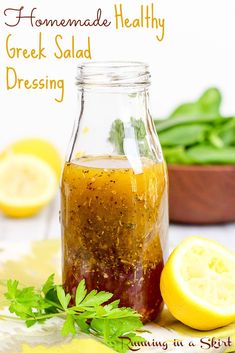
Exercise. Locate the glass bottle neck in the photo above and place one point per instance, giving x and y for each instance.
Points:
(119, 103)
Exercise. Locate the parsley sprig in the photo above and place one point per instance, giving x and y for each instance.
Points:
(91, 314)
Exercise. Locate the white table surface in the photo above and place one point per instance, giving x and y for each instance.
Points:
(46, 226)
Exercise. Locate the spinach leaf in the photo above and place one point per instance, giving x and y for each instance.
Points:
(208, 154)
(116, 135)
(184, 135)
(208, 104)
(226, 131)
(177, 155)
(165, 124)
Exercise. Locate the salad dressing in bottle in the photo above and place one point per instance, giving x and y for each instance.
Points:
(114, 203)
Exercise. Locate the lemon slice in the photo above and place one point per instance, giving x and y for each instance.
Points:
(198, 284)
(38, 148)
(26, 185)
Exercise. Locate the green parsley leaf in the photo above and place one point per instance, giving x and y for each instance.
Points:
(69, 326)
(91, 313)
(12, 289)
(80, 292)
(94, 298)
(49, 284)
(82, 324)
(63, 298)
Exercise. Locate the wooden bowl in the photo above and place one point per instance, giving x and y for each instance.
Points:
(202, 194)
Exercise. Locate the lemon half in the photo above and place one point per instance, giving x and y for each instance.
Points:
(198, 284)
(40, 148)
(26, 185)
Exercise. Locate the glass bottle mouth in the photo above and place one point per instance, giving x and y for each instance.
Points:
(126, 74)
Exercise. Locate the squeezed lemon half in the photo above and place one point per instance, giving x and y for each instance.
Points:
(26, 185)
(198, 284)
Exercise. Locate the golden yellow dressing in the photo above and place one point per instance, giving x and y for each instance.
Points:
(111, 225)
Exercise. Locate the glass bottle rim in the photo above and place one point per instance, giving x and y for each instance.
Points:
(108, 74)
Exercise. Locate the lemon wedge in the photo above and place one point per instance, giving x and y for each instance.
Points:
(26, 185)
(198, 284)
(40, 148)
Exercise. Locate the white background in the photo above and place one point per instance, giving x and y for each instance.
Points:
(197, 52)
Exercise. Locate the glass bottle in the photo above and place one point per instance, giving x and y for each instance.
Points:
(114, 202)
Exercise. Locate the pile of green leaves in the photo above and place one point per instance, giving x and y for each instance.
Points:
(88, 313)
(195, 133)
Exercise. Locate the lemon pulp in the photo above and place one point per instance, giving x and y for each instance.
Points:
(198, 284)
(40, 148)
(209, 274)
(26, 185)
